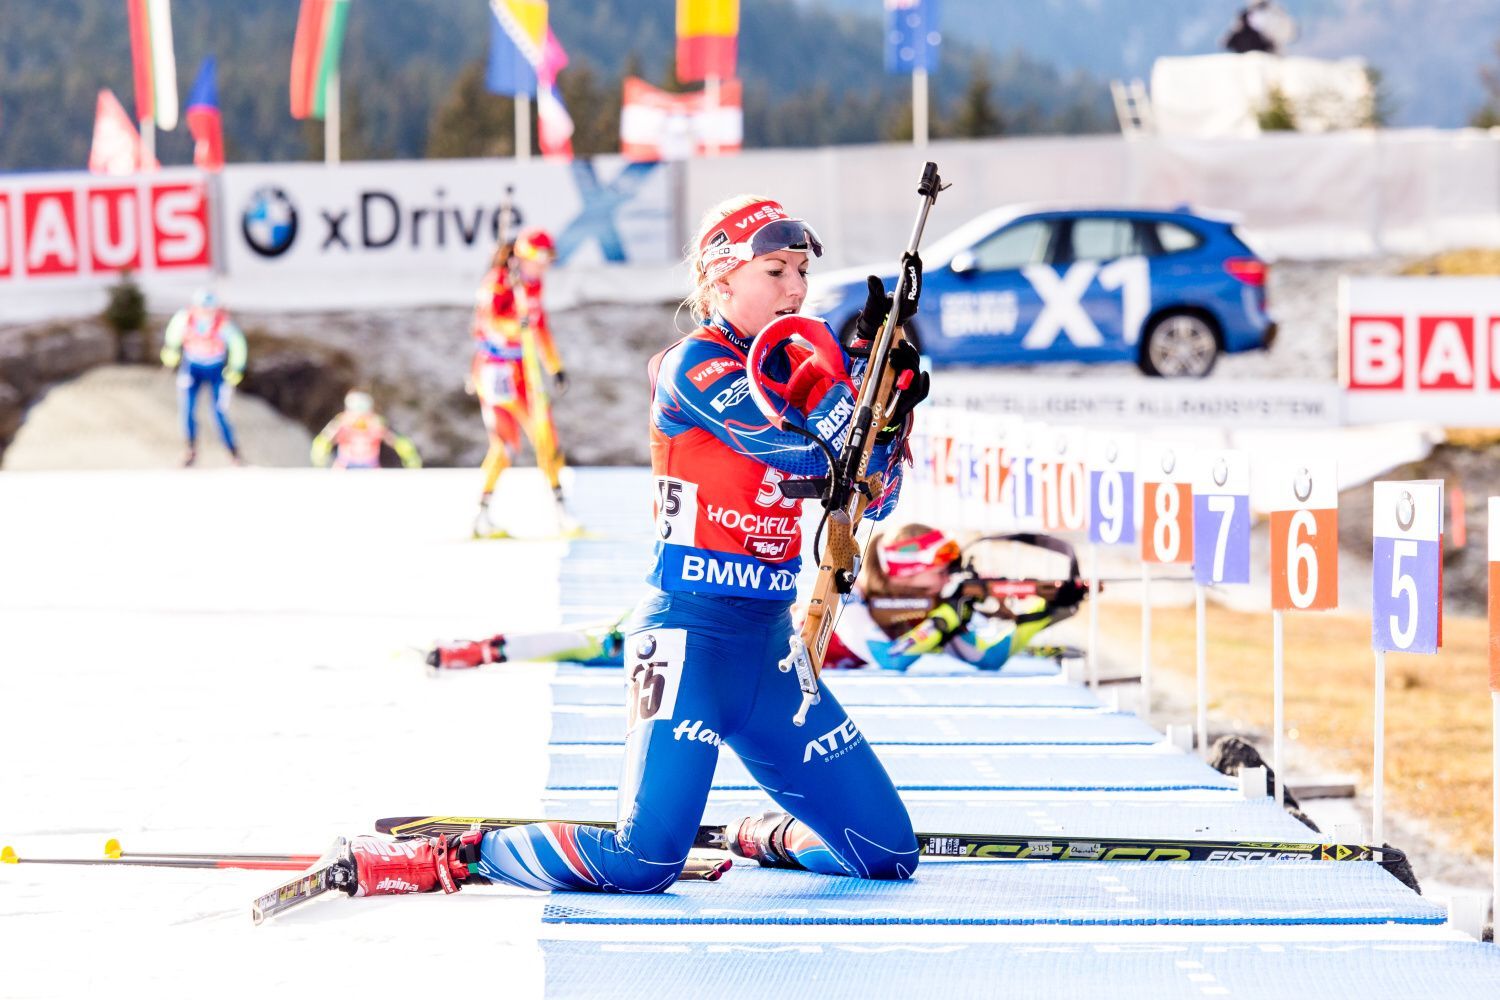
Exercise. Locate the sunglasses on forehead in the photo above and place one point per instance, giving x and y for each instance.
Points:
(783, 234)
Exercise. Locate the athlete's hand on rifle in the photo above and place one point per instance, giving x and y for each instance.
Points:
(878, 304)
(905, 359)
(560, 382)
(948, 619)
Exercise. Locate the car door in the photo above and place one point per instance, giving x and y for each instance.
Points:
(980, 303)
(1096, 293)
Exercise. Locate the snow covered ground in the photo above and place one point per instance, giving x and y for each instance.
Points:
(227, 660)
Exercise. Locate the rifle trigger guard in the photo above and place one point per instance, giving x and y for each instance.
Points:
(806, 679)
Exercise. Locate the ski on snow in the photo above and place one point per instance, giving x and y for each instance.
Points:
(983, 846)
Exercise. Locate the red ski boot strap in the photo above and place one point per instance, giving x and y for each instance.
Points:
(440, 853)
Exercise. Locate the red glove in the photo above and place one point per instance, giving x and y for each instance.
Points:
(810, 382)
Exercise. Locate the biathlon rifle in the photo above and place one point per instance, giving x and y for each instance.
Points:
(848, 490)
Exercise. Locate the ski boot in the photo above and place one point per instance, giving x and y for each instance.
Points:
(190, 457)
(423, 864)
(484, 527)
(762, 839)
(465, 655)
(567, 525)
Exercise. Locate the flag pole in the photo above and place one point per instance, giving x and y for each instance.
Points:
(711, 95)
(331, 122)
(919, 107)
(523, 127)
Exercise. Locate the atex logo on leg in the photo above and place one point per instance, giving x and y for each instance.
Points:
(834, 743)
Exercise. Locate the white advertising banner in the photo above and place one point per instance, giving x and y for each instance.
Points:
(1139, 401)
(1427, 348)
(395, 228)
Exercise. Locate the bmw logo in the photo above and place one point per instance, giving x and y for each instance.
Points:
(645, 647)
(269, 222)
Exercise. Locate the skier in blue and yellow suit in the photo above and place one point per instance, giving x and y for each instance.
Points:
(703, 646)
(208, 351)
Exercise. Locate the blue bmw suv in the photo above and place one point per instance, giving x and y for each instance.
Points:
(1167, 290)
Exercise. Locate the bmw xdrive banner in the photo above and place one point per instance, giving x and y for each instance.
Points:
(437, 218)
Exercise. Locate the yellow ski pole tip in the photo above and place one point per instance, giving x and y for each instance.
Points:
(112, 849)
(8, 855)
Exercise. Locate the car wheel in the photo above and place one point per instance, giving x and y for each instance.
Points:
(1180, 345)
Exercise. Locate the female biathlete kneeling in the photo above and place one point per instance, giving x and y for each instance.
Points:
(704, 644)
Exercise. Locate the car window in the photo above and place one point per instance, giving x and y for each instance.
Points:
(1174, 238)
(1014, 246)
(1103, 239)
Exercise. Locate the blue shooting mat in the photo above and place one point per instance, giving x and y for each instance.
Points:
(915, 727)
(1217, 817)
(1027, 892)
(603, 686)
(1389, 969)
(960, 769)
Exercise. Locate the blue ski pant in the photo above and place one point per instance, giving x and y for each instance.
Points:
(190, 379)
(702, 674)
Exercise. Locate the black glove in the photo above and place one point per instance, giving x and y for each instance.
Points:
(904, 358)
(560, 382)
(878, 304)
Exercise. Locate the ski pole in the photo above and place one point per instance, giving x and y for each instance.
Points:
(112, 849)
(9, 856)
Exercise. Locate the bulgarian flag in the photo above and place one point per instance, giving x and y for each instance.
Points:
(154, 62)
(315, 54)
(707, 38)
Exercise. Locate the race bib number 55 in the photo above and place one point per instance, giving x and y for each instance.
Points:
(653, 668)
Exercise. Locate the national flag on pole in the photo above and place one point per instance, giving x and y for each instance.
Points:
(117, 145)
(203, 118)
(554, 124)
(153, 61)
(656, 125)
(912, 37)
(518, 38)
(708, 33)
(315, 55)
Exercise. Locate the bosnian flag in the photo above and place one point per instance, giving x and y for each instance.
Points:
(315, 55)
(657, 125)
(153, 61)
(203, 118)
(554, 124)
(117, 145)
(518, 38)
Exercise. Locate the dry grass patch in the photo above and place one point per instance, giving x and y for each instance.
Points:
(1438, 715)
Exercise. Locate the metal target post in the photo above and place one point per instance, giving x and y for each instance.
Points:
(1093, 616)
(1166, 529)
(1109, 469)
(1494, 617)
(1407, 604)
(1221, 546)
(1304, 570)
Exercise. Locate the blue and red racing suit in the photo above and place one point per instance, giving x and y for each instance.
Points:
(701, 652)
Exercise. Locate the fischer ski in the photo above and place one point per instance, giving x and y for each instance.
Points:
(989, 847)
